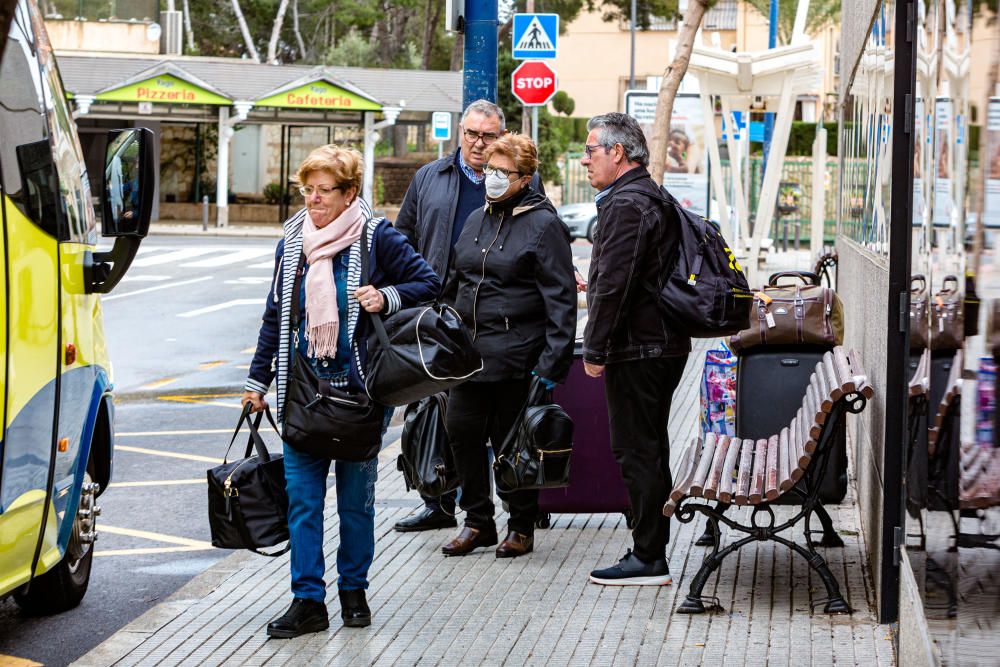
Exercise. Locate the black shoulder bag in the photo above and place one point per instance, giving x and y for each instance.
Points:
(426, 460)
(320, 419)
(247, 501)
(536, 453)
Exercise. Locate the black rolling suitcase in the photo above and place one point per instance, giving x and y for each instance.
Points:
(770, 384)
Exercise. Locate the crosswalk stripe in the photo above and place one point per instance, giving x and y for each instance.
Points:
(262, 265)
(234, 257)
(173, 256)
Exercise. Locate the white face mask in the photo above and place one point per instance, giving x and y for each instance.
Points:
(497, 185)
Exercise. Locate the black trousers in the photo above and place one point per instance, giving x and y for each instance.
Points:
(639, 394)
(477, 412)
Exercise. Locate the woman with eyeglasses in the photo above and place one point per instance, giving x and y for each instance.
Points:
(318, 268)
(512, 282)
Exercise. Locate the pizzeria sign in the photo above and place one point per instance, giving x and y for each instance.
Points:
(163, 89)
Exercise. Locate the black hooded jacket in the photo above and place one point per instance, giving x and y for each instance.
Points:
(512, 282)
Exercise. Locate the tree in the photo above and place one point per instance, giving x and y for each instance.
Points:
(272, 45)
(671, 82)
(821, 14)
(245, 30)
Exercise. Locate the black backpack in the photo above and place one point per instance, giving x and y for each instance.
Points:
(705, 293)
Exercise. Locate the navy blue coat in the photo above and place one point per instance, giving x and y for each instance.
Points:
(396, 269)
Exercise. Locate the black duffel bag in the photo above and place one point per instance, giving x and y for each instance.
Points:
(427, 462)
(418, 352)
(247, 501)
(327, 422)
(536, 453)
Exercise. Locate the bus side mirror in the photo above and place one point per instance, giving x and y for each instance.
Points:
(126, 206)
(129, 183)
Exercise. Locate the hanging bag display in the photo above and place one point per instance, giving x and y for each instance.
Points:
(947, 310)
(536, 453)
(322, 420)
(805, 313)
(247, 501)
(919, 312)
(426, 461)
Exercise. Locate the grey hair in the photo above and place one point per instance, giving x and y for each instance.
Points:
(620, 128)
(486, 108)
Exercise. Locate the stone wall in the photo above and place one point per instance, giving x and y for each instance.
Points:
(862, 283)
(396, 173)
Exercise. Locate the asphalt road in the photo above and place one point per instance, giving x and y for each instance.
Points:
(181, 329)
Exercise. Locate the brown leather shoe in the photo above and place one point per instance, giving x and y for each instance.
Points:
(468, 540)
(515, 544)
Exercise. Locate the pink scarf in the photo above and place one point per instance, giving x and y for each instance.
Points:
(320, 247)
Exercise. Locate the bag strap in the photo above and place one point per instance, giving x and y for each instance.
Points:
(296, 288)
(377, 323)
(254, 439)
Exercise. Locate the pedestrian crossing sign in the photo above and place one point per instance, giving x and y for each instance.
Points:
(535, 36)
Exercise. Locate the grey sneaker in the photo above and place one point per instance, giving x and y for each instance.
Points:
(630, 571)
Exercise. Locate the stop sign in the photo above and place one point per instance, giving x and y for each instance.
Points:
(533, 83)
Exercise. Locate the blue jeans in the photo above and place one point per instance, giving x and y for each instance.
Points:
(305, 479)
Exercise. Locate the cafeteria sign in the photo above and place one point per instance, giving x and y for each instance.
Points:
(318, 95)
(163, 89)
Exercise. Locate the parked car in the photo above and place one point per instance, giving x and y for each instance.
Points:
(580, 219)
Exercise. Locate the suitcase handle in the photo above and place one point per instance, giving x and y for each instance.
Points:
(806, 277)
(918, 278)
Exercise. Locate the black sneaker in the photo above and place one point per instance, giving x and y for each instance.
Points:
(630, 571)
(303, 617)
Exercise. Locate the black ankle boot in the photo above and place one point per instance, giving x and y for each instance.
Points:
(303, 617)
(354, 609)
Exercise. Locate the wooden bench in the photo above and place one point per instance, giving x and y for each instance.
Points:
(756, 472)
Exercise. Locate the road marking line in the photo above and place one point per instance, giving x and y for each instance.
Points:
(156, 482)
(249, 280)
(14, 661)
(234, 257)
(157, 287)
(173, 256)
(249, 350)
(222, 306)
(211, 364)
(147, 279)
(262, 265)
(243, 368)
(159, 383)
(156, 537)
(202, 431)
(148, 551)
(200, 399)
(171, 455)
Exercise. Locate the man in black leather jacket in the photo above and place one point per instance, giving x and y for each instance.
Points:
(628, 340)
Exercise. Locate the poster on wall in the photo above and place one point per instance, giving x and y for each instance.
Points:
(686, 172)
(919, 154)
(991, 209)
(943, 203)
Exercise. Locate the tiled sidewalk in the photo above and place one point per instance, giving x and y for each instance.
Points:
(537, 610)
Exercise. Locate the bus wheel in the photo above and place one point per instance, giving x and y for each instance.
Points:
(63, 587)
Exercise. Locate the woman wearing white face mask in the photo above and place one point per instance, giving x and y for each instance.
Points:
(512, 282)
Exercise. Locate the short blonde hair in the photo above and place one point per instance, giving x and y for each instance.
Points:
(345, 165)
(518, 148)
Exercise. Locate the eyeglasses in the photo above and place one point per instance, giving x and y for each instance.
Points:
(487, 137)
(589, 150)
(323, 190)
(489, 170)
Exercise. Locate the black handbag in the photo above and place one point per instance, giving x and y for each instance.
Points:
(536, 453)
(427, 462)
(418, 352)
(247, 501)
(322, 420)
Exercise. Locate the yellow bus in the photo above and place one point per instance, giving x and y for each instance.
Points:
(55, 382)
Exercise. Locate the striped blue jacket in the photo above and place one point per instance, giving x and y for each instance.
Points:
(402, 276)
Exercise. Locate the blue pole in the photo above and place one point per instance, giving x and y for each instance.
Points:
(479, 77)
(772, 41)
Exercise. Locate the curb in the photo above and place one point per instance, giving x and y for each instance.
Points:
(124, 640)
(264, 231)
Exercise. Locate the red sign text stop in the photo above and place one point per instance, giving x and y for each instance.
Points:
(533, 83)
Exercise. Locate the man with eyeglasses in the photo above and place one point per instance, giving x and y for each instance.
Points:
(628, 340)
(439, 200)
